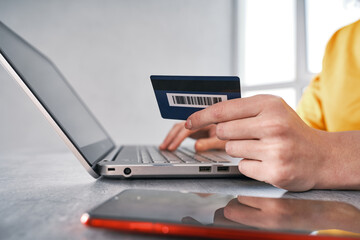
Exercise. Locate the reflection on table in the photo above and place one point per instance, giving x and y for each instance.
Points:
(312, 216)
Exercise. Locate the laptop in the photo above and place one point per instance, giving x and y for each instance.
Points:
(84, 135)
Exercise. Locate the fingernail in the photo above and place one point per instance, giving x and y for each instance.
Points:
(188, 124)
(227, 147)
(199, 145)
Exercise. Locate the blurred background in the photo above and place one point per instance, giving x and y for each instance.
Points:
(108, 49)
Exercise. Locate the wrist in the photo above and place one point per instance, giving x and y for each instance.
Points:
(324, 156)
(339, 160)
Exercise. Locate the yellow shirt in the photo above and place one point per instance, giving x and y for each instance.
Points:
(332, 100)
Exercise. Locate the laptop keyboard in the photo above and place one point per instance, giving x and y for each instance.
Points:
(149, 155)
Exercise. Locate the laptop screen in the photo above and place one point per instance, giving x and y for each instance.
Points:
(56, 95)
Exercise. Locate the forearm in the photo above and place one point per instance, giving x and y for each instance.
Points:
(341, 161)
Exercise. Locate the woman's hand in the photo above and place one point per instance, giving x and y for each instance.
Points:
(206, 138)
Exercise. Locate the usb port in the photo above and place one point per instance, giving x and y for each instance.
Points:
(222, 169)
(204, 169)
(111, 169)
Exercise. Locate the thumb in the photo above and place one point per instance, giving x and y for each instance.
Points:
(209, 143)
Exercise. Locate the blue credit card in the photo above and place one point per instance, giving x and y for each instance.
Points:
(180, 96)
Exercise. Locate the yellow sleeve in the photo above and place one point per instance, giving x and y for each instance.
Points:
(336, 233)
(310, 105)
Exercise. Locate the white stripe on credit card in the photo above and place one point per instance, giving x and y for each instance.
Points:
(194, 100)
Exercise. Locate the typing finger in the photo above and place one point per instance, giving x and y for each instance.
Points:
(178, 139)
(171, 135)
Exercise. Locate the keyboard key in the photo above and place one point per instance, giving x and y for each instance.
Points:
(195, 156)
(171, 157)
(223, 155)
(185, 157)
(145, 156)
(156, 156)
(128, 155)
(214, 158)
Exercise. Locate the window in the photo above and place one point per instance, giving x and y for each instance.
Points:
(281, 42)
(288, 94)
(321, 25)
(267, 51)
(269, 55)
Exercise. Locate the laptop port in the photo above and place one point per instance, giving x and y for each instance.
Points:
(127, 171)
(222, 169)
(204, 169)
(111, 169)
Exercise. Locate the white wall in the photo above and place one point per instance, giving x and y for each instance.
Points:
(107, 50)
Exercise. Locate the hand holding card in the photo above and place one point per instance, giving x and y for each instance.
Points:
(180, 96)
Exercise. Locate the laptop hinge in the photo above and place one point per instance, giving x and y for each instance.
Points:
(111, 155)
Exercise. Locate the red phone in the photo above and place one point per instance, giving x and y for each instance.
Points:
(207, 215)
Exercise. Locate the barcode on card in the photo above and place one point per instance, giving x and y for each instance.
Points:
(194, 100)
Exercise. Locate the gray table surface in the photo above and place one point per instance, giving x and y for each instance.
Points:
(43, 196)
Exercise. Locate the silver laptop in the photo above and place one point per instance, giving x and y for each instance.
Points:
(85, 136)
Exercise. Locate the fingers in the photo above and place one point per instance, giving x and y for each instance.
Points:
(175, 136)
(255, 202)
(209, 143)
(179, 133)
(248, 149)
(203, 132)
(182, 135)
(248, 128)
(226, 111)
(221, 220)
(274, 205)
(253, 169)
(240, 213)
